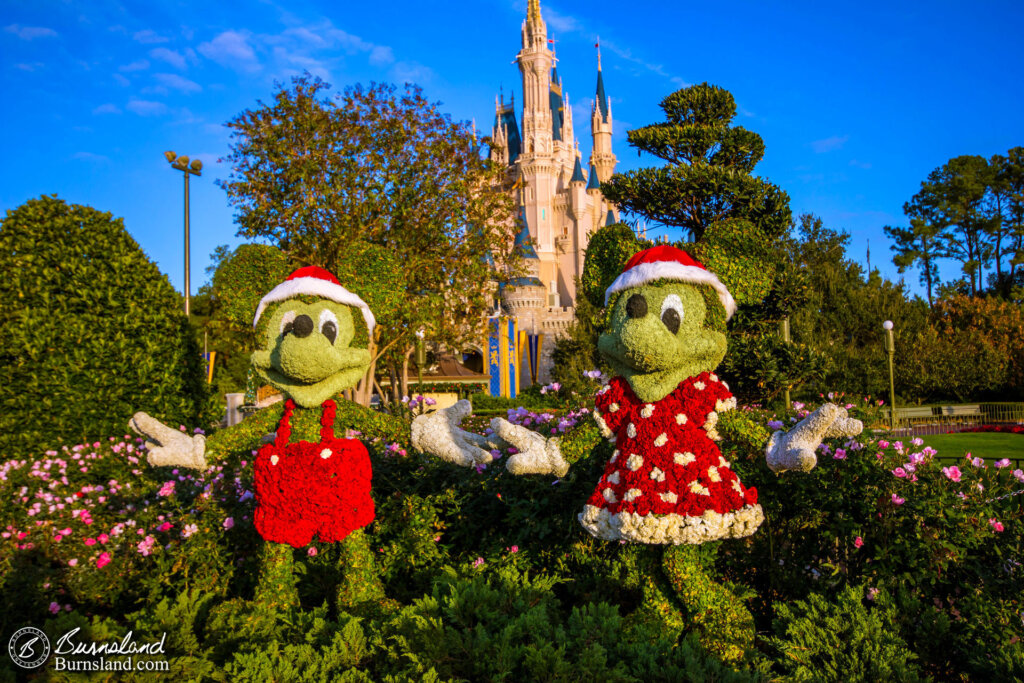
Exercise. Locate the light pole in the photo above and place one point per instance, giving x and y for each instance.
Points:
(421, 360)
(890, 351)
(784, 334)
(181, 164)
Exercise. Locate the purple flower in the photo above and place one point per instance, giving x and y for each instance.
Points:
(774, 424)
(229, 522)
(1005, 462)
(1019, 474)
(978, 462)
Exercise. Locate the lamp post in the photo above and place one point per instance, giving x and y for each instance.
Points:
(421, 360)
(784, 334)
(890, 351)
(181, 163)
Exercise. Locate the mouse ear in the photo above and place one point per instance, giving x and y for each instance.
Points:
(739, 254)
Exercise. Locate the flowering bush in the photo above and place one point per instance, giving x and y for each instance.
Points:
(93, 537)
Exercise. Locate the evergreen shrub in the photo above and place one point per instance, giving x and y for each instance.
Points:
(90, 331)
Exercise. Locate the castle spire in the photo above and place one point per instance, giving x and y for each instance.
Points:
(533, 11)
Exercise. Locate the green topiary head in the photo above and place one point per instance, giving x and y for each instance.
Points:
(666, 320)
(313, 337)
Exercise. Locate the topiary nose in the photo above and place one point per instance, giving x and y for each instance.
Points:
(636, 306)
(303, 326)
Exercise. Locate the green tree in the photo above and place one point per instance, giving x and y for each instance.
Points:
(707, 177)
(315, 175)
(91, 332)
(920, 245)
(1007, 205)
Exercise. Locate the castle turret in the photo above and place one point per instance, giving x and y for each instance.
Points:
(602, 157)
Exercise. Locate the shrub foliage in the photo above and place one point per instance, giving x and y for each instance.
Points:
(91, 330)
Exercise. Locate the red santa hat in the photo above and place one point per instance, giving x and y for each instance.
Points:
(315, 281)
(665, 262)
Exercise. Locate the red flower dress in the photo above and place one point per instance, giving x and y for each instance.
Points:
(667, 482)
(305, 489)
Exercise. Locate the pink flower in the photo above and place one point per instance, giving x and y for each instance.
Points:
(1019, 474)
(166, 526)
(900, 472)
(54, 608)
(478, 561)
(896, 500)
(873, 594)
(146, 545)
(103, 560)
(1005, 462)
(90, 541)
(103, 538)
(840, 454)
(65, 532)
(995, 524)
(311, 552)
(166, 490)
(883, 443)
(73, 562)
(952, 473)
(858, 542)
(514, 549)
(229, 523)
(189, 530)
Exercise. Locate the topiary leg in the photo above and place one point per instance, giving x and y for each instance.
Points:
(722, 622)
(361, 590)
(277, 587)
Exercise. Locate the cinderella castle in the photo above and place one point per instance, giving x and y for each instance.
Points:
(559, 203)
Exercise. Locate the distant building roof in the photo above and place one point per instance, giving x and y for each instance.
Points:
(523, 242)
(577, 173)
(610, 220)
(507, 119)
(594, 183)
(602, 99)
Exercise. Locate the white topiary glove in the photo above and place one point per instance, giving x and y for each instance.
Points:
(536, 455)
(438, 433)
(795, 449)
(169, 447)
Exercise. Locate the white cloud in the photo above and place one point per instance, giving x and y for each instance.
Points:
(146, 107)
(176, 82)
(231, 49)
(148, 37)
(560, 23)
(34, 66)
(381, 55)
(173, 58)
(89, 156)
(137, 65)
(106, 109)
(30, 32)
(829, 144)
(411, 72)
(122, 81)
(860, 164)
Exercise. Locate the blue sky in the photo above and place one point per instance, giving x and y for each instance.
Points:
(856, 104)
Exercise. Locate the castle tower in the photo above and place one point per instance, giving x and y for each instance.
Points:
(559, 204)
(602, 157)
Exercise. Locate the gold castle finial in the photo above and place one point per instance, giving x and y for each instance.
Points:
(533, 10)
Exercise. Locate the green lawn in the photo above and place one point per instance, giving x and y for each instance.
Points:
(991, 446)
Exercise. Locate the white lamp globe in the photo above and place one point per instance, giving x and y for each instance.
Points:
(887, 324)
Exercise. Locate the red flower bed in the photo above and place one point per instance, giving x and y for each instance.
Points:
(1006, 429)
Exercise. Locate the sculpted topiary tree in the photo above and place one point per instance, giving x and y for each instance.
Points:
(91, 331)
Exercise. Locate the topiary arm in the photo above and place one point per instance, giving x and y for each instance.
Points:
(244, 436)
(372, 423)
(538, 455)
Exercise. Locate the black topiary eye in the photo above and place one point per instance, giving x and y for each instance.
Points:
(672, 312)
(636, 306)
(329, 325)
(330, 330)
